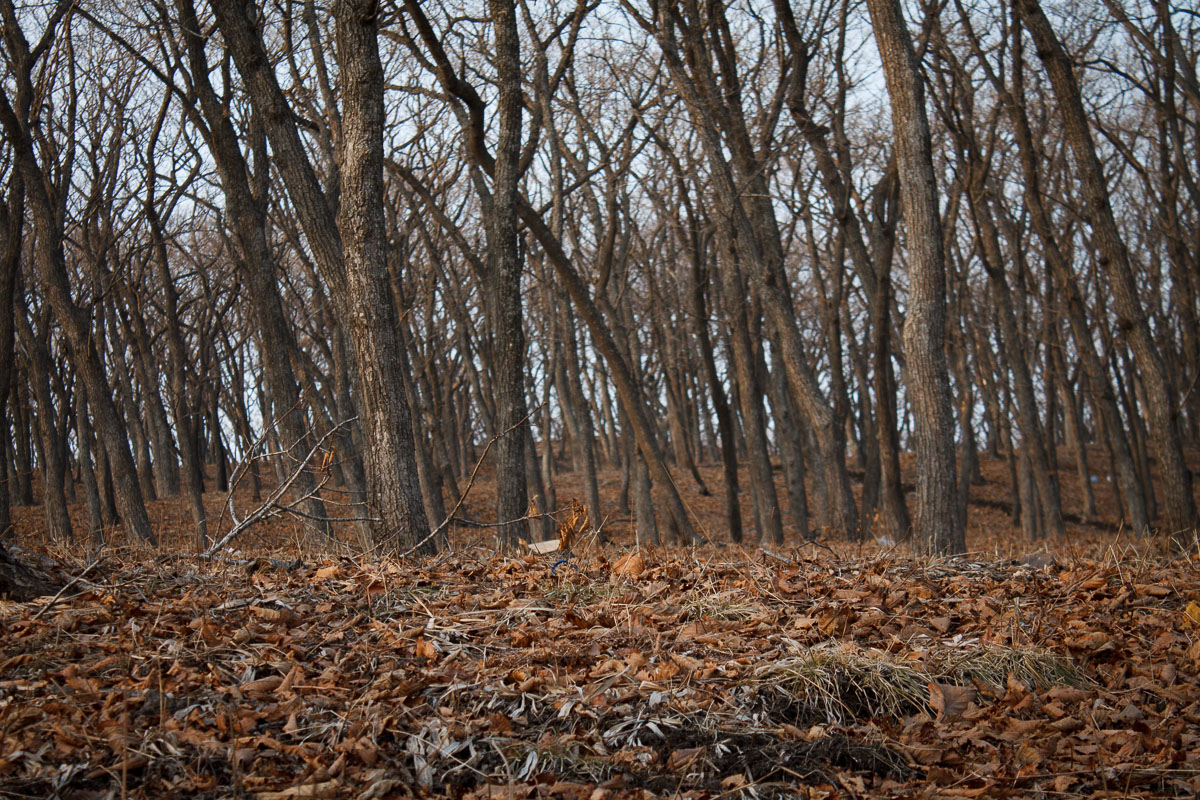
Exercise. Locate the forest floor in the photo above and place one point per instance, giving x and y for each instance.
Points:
(290, 668)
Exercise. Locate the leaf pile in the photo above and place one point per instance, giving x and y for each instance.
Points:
(694, 674)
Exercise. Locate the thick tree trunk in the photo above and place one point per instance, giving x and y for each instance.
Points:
(164, 476)
(392, 480)
(504, 282)
(645, 526)
(349, 247)
(937, 520)
(1073, 421)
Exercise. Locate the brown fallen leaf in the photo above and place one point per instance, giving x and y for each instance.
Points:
(631, 565)
(284, 616)
(1093, 642)
(262, 685)
(290, 680)
(425, 649)
(682, 760)
(950, 701)
(323, 789)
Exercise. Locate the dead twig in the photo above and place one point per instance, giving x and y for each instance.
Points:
(272, 505)
(470, 483)
(69, 584)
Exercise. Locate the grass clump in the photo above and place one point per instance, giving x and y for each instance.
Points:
(836, 683)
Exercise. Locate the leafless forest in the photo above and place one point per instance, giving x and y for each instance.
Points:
(338, 251)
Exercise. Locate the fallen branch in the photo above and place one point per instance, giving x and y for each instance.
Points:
(69, 584)
(273, 505)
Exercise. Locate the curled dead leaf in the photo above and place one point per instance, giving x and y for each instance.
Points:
(262, 685)
(1093, 643)
(683, 760)
(276, 615)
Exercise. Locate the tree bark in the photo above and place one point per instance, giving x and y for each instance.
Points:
(503, 284)
(349, 246)
(12, 226)
(927, 374)
(768, 520)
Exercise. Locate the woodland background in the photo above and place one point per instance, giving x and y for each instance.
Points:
(338, 249)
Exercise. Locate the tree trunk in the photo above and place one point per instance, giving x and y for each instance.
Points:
(729, 465)
(247, 196)
(789, 439)
(503, 285)
(91, 488)
(178, 359)
(1016, 347)
(1132, 493)
(349, 246)
(54, 278)
(12, 226)
(768, 520)
(53, 457)
(937, 520)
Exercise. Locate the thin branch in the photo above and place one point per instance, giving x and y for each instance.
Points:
(471, 482)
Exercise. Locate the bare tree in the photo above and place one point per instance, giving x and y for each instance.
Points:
(349, 244)
(927, 372)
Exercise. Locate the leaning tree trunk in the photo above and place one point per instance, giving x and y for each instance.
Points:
(247, 198)
(1161, 400)
(1132, 493)
(53, 275)
(927, 373)
(767, 517)
(1032, 436)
